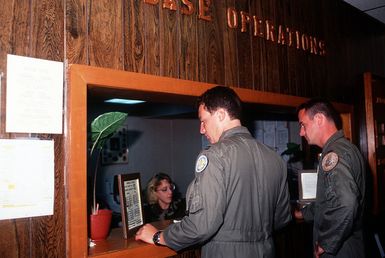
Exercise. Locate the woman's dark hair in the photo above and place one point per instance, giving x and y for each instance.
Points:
(222, 97)
(318, 105)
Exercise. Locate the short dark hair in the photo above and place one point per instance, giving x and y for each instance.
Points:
(222, 97)
(319, 105)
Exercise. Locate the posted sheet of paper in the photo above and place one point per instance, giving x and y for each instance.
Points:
(26, 178)
(309, 185)
(34, 95)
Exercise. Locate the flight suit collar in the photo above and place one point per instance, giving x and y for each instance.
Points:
(337, 135)
(232, 131)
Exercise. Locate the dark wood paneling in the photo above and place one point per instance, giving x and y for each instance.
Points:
(258, 50)
(245, 49)
(230, 49)
(47, 233)
(188, 61)
(105, 34)
(152, 39)
(170, 45)
(76, 32)
(210, 42)
(21, 27)
(47, 30)
(133, 24)
(271, 13)
(6, 21)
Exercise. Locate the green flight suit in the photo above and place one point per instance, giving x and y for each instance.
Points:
(338, 210)
(238, 197)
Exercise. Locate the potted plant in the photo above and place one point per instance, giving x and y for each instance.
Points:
(102, 128)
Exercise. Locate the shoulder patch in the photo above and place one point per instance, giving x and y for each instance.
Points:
(329, 161)
(201, 164)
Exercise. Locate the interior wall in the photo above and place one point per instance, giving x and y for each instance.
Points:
(155, 146)
(172, 145)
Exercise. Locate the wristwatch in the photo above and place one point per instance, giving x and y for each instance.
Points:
(156, 238)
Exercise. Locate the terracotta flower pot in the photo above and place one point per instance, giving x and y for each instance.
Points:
(100, 224)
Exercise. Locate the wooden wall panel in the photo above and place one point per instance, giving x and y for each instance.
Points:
(152, 39)
(258, 50)
(106, 34)
(202, 50)
(170, 45)
(133, 24)
(335, 52)
(272, 48)
(47, 29)
(21, 27)
(244, 43)
(211, 42)
(188, 59)
(47, 233)
(293, 69)
(15, 240)
(231, 54)
(76, 32)
(6, 21)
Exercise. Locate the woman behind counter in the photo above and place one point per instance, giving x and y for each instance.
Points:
(161, 202)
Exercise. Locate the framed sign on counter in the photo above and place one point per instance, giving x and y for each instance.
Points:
(307, 184)
(130, 203)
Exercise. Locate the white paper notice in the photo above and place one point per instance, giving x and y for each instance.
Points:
(26, 178)
(309, 185)
(34, 95)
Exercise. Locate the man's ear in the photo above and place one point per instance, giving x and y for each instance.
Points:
(319, 118)
(222, 113)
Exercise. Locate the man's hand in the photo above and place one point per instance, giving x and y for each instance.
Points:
(297, 213)
(318, 250)
(146, 233)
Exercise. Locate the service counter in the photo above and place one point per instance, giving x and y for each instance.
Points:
(294, 240)
(116, 246)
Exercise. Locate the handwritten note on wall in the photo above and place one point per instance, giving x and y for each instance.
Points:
(26, 178)
(34, 101)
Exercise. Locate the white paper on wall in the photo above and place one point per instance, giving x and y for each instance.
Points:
(34, 100)
(26, 178)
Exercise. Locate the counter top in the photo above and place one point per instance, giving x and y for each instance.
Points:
(116, 246)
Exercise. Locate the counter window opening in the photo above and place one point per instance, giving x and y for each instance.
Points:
(164, 137)
(83, 80)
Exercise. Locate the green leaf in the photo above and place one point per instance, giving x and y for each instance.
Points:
(292, 148)
(104, 126)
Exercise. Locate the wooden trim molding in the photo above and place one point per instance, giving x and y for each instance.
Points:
(371, 138)
(80, 79)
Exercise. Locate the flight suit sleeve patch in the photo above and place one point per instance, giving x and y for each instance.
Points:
(201, 163)
(330, 161)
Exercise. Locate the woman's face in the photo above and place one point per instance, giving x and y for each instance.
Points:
(164, 193)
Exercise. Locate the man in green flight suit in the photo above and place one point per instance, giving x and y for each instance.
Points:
(337, 213)
(239, 195)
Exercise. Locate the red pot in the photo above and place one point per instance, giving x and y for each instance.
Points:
(100, 224)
